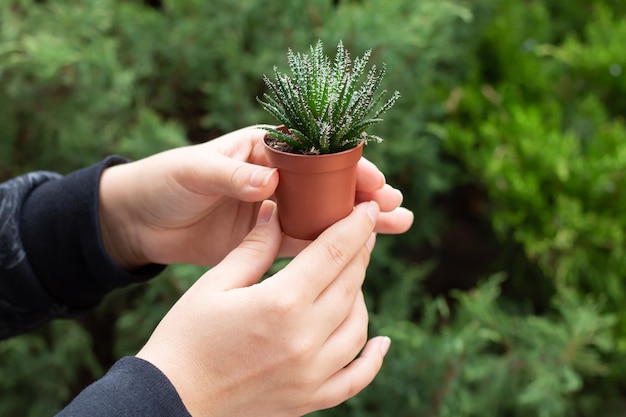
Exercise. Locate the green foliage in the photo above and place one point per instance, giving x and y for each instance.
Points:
(481, 359)
(47, 366)
(558, 196)
(543, 136)
(595, 60)
(325, 104)
(73, 93)
(552, 166)
(506, 298)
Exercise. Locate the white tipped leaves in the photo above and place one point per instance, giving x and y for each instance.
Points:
(325, 103)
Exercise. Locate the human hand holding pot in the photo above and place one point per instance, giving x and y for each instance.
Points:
(285, 346)
(194, 204)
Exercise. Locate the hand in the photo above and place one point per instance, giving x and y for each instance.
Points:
(195, 204)
(285, 346)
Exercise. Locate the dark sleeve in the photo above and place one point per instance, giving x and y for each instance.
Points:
(132, 388)
(52, 259)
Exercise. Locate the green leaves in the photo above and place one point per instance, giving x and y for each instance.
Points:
(325, 104)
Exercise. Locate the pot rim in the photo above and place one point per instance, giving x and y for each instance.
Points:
(313, 163)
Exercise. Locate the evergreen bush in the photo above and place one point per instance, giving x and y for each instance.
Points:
(506, 298)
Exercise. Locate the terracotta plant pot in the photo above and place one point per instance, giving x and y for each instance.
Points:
(314, 191)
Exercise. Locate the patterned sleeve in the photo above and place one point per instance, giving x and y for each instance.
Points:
(16, 278)
(53, 262)
(12, 193)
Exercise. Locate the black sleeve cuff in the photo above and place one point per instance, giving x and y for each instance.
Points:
(132, 388)
(60, 230)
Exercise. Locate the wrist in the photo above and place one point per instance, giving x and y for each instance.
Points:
(117, 228)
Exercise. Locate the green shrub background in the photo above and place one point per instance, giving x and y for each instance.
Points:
(507, 296)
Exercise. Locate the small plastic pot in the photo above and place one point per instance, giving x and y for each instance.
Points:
(314, 191)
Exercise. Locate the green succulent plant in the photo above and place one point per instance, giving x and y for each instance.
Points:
(326, 104)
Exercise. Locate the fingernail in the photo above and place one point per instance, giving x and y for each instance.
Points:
(266, 212)
(401, 196)
(384, 345)
(371, 243)
(372, 211)
(261, 176)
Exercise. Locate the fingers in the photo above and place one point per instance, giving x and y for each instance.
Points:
(369, 177)
(241, 180)
(320, 263)
(245, 144)
(371, 186)
(387, 197)
(345, 343)
(395, 222)
(247, 263)
(352, 379)
(393, 219)
(207, 172)
(336, 304)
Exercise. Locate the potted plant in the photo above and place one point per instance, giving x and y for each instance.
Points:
(323, 109)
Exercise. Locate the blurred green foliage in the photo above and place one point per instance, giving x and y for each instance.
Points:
(506, 298)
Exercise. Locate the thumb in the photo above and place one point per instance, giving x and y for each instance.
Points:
(246, 264)
(240, 180)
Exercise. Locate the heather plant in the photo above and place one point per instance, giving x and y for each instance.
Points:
(325, 104)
